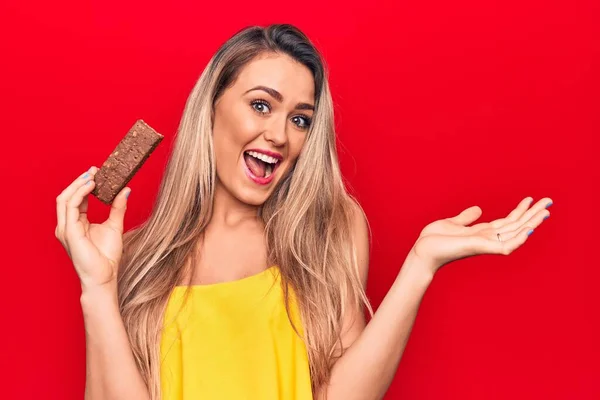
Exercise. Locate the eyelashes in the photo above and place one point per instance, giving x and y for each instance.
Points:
(263, 107)
(255, 104)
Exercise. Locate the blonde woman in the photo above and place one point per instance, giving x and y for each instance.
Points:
(247, 280)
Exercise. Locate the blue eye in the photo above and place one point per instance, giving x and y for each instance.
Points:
(263, 107)
(305, 121)
(260, 105)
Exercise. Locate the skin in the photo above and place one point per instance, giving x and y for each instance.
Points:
(233, 245)
(95, 248)
(373, 351)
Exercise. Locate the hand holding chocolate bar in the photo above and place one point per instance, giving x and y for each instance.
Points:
(96, 249)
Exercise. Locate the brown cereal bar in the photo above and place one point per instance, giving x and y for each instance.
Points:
(127, 158)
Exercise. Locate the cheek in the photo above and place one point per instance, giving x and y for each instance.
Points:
(248, 129)
(233, 130)
(239, 129)
(296, 144)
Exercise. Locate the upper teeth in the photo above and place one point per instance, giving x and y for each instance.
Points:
(263, 157)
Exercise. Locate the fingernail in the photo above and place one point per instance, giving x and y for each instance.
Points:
(548, 205)
(86, 175)
(127, 195)
(546, 217)
(530, 232)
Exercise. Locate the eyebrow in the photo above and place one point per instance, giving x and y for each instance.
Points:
(277, 96)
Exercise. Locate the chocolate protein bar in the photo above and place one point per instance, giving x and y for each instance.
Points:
(127, 158)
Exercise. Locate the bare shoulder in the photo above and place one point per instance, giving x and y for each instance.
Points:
(362, 237)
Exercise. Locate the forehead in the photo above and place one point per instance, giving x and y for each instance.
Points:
(280, 72)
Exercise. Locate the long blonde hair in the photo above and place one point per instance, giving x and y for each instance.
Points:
(308, 217)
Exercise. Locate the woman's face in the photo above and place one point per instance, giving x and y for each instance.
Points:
(260, 125)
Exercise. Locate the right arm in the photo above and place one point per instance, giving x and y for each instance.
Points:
(96, 250)
(111, 371)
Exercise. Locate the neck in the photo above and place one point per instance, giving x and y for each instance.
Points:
(229, 211)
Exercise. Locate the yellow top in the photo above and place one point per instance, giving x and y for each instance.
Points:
(233, 340)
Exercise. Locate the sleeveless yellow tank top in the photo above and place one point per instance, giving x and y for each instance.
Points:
(233, 340)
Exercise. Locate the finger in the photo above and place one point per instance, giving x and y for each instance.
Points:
(514, 215)
(467, 217)
(64, 196)
(533, 217)
(83, 209)
(508, 246)
(519, 210)
(117, 210)
(505, 236)
(74, 229)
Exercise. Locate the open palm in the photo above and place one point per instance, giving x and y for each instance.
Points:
(451, 239)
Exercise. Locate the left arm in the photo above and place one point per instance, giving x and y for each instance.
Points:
(373, 353)
(367, 367)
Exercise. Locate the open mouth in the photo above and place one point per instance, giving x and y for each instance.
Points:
(260, 165)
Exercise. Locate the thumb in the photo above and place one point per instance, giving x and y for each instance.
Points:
(117, 210)
(468, 216)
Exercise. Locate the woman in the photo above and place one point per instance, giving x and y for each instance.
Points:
(247, 280)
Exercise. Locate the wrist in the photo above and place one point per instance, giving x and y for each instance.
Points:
(98, 296)
(419, 266)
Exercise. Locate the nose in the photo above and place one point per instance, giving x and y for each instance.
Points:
(276, 133)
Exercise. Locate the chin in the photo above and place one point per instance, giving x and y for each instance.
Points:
(253, 197)
(252, 194)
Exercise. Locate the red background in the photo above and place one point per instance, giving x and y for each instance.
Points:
(439, 106)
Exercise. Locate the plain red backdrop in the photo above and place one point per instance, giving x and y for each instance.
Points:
(439, 106)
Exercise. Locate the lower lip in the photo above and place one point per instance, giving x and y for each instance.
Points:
(258, 179)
